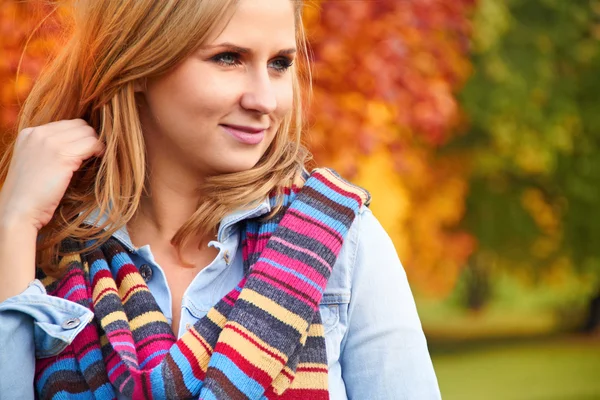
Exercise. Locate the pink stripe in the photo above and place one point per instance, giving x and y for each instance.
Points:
(317, 233)
(82, 350)
(261, 243)
(138, 386)
(132, 359)
(288, 278)
(117, 333)
(296, 225)
(127, 346)
(120, 369)
(78, 296)
(152, 349)
(302, 268)
(257, 236)
(124, 383)
(110, 358)
(163, 337)
(226, 300)
(75, 275)
(286, 290)
(314, 221)
(301, 250)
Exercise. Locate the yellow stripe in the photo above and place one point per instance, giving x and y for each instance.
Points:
(125, 297)
(276, 310)
(346, 186)
(216, 317)
(48, 280)
(336, 180)
(316, 330)
(258, 340)
(66, 260)
(311, 365)
(247, 349)
(310, 380)
(282, 382)
(62, 265)
(301, 380)
(102, 284)
(303, 338)
(130, 280)
(112, 317)
(146, 318)
(199, 352)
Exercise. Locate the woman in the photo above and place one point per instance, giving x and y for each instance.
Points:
(182, 249)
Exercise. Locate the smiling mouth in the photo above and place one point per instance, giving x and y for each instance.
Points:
(245, 135)
(247, 129)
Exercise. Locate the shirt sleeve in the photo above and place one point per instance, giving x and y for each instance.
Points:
(32, 324)
(384, 353)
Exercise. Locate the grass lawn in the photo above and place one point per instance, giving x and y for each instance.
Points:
(566, 368)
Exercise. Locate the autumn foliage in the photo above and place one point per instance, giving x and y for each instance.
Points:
(387, 73)
(18, 20)
(385, 78)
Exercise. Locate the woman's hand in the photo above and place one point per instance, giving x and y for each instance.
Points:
(43, 162)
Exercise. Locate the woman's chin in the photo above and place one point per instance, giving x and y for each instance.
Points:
(239, 165)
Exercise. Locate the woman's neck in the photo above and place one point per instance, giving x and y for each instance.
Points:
(170, 200)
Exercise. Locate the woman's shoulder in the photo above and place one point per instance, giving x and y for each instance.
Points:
(366, 240)
(365, 230)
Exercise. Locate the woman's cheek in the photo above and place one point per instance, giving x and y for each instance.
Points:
(286, 99)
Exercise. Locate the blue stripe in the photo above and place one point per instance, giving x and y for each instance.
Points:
(106, 391)
(158, 384)
(115, 367)
(63, 394)
(153, 356)
(192, 383)
(65, 364)
(312, 212)
(128, 344)
(90, 358)
(242, 382)
(298, 275)
(118, 261)
(73, 289)
(98, 265)
(335, 195)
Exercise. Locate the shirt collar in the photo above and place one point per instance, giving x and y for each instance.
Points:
(226, 226)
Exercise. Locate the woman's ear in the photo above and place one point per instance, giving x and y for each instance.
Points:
(139, 86)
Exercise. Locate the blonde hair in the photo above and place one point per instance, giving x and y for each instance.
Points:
(112, 45)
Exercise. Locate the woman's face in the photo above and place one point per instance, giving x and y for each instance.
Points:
(218, 111)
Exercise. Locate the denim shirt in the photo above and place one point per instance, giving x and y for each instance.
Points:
(375, 345)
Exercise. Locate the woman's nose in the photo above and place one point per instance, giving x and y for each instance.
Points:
(260, 94)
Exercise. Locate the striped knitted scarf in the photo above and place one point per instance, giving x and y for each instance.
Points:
(263, 340)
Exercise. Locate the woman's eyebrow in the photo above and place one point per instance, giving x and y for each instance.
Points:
(245, 50)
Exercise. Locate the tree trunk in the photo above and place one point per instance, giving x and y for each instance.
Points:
(592, 322)
(477, 284)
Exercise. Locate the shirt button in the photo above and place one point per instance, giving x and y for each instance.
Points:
(71, 323)
(146, 272)
(188, 326)
(226, 257)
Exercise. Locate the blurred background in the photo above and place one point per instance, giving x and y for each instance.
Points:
(475, 124)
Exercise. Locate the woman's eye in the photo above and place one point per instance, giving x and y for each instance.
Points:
(282, 64)
(226, 59)
(230, 59)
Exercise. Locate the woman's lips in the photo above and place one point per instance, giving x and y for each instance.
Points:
(245, 136)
